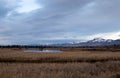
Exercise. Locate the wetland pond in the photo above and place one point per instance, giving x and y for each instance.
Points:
(48, 51)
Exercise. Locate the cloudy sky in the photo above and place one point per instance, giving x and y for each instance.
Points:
(31, 21)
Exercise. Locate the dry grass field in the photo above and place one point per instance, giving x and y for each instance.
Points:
(14, 63)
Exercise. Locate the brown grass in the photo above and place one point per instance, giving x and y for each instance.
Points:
(67, 70)
(69, 64)
(7, 55)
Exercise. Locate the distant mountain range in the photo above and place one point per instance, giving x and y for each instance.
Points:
(94, 42)
(100, 42)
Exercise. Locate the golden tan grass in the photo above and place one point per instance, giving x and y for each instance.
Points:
(8, 55)
(69, 64)
(66, 70)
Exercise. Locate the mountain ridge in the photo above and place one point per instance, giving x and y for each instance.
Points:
(100, 42)
(93, 42)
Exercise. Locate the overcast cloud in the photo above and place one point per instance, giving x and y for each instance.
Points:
(29, 21)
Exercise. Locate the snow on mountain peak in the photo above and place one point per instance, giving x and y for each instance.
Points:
(98, 40)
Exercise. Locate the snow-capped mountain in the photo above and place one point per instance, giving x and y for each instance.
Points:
(96, 42)
(100, 42)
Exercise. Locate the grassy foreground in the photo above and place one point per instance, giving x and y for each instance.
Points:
(70, 64)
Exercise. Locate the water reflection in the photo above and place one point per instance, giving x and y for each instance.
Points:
(42, 51)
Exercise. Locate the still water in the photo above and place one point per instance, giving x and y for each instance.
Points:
(54, 51)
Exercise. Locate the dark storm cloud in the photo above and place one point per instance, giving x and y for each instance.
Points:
(53, 13)
(59, 19)
(3, 9)
(63, 5)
